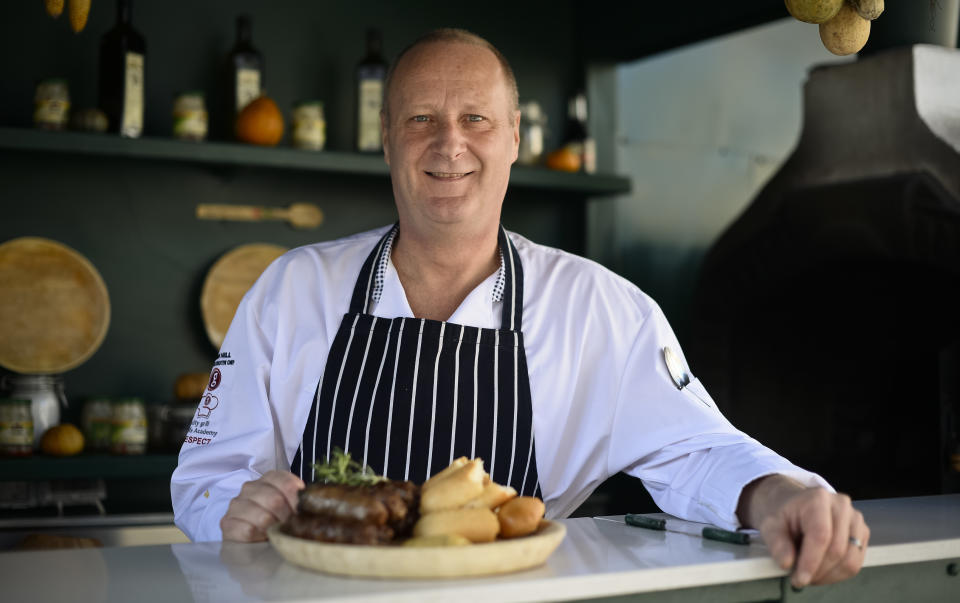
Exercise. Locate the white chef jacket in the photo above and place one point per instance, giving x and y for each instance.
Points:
(603, 400)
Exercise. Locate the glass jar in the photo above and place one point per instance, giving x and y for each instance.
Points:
(46, 396)
(129, 433)
(16, 427)
(533, 123)
(97, 423)
(190, 116)
(51, 104)
(309, 126)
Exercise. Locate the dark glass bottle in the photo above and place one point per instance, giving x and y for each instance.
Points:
(578, 138)
(246, 68)
(122, 75)
(371, 73)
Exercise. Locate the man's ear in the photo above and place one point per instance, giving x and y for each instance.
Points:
(516, 136)
(383, 136)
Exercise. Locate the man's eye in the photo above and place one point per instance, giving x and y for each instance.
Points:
(475, 118)
(420, 118)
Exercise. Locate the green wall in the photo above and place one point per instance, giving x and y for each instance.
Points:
(133, 218)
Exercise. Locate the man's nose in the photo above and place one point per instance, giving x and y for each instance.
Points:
(450, 141)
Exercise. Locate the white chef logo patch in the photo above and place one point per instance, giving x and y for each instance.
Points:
(207, 404)
(215, 379)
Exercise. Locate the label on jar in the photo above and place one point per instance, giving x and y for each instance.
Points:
(248, 86)
(309, 128)
(16, 433)
(51, 112)
(368, 115)
(129, 434)
(131, 123)
(190, 125)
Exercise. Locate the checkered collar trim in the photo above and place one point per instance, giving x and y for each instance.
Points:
(385, 259)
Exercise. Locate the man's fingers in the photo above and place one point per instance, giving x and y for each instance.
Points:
(842, 528)
(253, 513)
(239, 530)
(853, 559)
(777, 537)
(287, 483)
(261, 503)
(274, 492)
(816, 525)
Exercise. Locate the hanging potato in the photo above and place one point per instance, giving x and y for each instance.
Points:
(54, 7)
(846, 33)
(813, 11)
(868, 9)
(79, 11)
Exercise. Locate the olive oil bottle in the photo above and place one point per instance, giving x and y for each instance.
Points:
(122, 75)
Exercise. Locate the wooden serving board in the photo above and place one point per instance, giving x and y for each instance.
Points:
(54, 307)
(228, 280)
(497, 557)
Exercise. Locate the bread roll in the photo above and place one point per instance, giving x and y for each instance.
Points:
(456, 464)
(493, 496)
(520, 516)
(454, 490)
(476, 525)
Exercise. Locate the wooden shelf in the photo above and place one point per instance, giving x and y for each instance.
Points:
(333, 162)
(88, 466)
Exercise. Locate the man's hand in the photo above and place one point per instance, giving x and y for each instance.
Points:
(808, 529)
(260, 504)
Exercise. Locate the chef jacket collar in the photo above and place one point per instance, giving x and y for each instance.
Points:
(478, 309)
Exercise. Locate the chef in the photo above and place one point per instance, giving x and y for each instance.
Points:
(445, 335)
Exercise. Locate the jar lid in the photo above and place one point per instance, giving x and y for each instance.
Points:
(191, 93)
(309, 103)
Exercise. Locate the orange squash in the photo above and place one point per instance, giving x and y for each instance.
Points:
(62, 440)
(564, 159)
(260, 122)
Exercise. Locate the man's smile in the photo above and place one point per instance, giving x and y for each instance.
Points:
(448, 175)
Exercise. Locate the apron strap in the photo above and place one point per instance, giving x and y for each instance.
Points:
(363, 290)
(512, 299)
(512, 284)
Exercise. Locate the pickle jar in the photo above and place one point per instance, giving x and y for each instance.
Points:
(97, 423)
(16, 427)
(190, 116)
(129, 433)
(51, 104)
(309, 126)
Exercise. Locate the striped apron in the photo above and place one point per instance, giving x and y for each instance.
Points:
(407, 396)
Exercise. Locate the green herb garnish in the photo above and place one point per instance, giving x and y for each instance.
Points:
(341, 469)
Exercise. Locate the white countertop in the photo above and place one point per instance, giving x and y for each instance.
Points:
(597, 558)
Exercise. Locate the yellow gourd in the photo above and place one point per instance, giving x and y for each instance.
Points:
(54, 7)
(813, 11)
(79, 11)
(846, 33)
(62, 440)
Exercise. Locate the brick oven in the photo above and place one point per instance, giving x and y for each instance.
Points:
(827, 317)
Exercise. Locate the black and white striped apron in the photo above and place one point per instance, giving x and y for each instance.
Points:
(406, 396)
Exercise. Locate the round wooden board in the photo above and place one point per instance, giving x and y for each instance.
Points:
(54, 307)
(497, 557)
(228, 280)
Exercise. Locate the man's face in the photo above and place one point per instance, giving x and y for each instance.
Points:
(450, 136)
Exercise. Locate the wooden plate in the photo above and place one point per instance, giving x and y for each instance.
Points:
(420, 562)
(228, 280)
(54, 307)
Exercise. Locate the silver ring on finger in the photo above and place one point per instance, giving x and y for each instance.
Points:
(856, 542)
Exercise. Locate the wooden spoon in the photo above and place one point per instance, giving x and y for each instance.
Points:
(299, 215)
